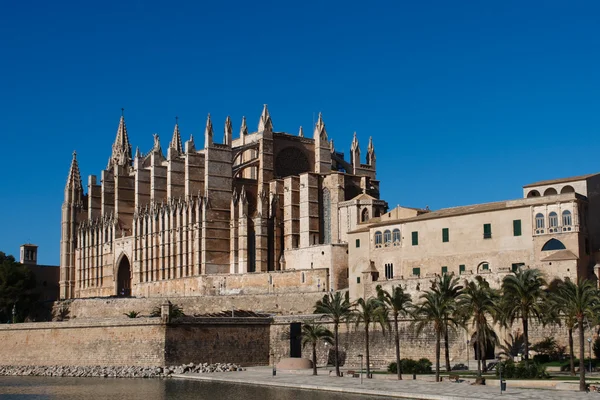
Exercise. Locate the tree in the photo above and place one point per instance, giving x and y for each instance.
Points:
(312, 334)
(17, 284)
(447, 286)
(523, 297)
(582, 301)
(479, 301)
(338, 309)
(565, 315)
(372, 310)
(433, 310)
(399, 304)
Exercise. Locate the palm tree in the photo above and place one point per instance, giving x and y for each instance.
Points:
(583, 302)
(399, 304)
(479, 301)
(370, 310)
(447, 286)
(523, 297)
(337, 308)
(562, 311)
(313, 333)
(433, 311)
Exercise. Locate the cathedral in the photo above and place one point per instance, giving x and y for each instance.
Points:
(263, 213)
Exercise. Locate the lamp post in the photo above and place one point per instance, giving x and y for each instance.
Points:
(361, 366)
(590, 363)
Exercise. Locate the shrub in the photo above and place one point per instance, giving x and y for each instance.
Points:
(521, 370)
(409, 366)
(176, 312)
(460, 367)
(548, 347)
(542, 358)
(132, 314)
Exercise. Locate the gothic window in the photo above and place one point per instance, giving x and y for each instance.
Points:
(396, 237)
(539, 221)
(291, 161)
(552, 220)
(365, 215)
(326, 216)
(378, 239)
(387, 237)
(566, 218)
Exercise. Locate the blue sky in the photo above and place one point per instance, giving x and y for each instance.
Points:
(466, 101)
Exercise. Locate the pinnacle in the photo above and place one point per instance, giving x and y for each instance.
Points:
(74, 178)
(301, 132)
(208, 132)
(320, 132)
(244, 127)
(121, 149)
(228, 131)
(176, 141)
(265, 122)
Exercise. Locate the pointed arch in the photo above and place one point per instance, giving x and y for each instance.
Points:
(553, 244)
(123, 283)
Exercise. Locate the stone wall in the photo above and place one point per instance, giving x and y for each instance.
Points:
(136, 342)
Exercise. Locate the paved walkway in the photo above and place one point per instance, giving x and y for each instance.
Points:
(410, 389)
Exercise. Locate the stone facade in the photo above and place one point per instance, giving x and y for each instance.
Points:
(228, 217)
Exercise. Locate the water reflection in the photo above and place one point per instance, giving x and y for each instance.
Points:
(38, 388)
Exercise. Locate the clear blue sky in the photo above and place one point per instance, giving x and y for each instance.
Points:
(466, 101)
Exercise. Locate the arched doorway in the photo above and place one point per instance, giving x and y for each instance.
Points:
(124, 277)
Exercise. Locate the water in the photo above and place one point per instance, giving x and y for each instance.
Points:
(43, 388)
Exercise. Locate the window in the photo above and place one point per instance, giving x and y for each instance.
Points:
(358, 279)
(485, 267)
(517, 227)
(487, 231)
(415, 238)
(378, 239)
(365, 215)
(553, 244)
(357, 243)
(461, 269)
(444, 270)
(539, 221)
(396, 237)
(566, 218)
(517, 266)
(445, 235)
(303, 278)
(387, 237)
(389, 271)
(416, 271)
(552, 220)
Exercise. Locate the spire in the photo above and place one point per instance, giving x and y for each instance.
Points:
(320, 131)
(156, 148)
(355, 152)
(355, 146)
(121, 149)
(137, 152)
(208, 133)
(228, 136)
(243, 128)
(371, 152)
(74, 179)
(265, 123)
(301, 132)
(176, 141)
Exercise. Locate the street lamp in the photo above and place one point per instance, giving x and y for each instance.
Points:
(590, 343)
(361, 360)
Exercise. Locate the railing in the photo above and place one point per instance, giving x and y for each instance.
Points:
(556, 229)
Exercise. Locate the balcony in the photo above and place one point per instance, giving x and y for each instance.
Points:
(553, 230)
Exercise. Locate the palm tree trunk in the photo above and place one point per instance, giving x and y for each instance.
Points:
(337, 364)
(314, 357)
(397, 348)
(367, 350)
(438, 339)
(526, 337)
(447, 348)
(571, 352)
(582, 385)
(479, 352)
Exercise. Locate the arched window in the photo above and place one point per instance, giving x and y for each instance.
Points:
(396, 237)
(539, 221)
(378, 239)
(566, 218)
(553, 244)
(533, 193)
(552, 220)
(550, 192)
(387, 237)
(567, 189)
(365, 215)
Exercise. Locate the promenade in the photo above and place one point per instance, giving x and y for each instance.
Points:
(386, 388)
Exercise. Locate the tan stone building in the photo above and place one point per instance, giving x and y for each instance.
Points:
(267, 212)
(555, 227)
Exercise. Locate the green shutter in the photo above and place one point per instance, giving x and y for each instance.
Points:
(445, 235)
(358, 279)
(487, 231)
(485, 266)
(417, 271)
(461, 268)
(444, 270)
(415, 238)
(357, 243)
(517, 227)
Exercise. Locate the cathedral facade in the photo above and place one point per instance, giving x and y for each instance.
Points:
(263, 213)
